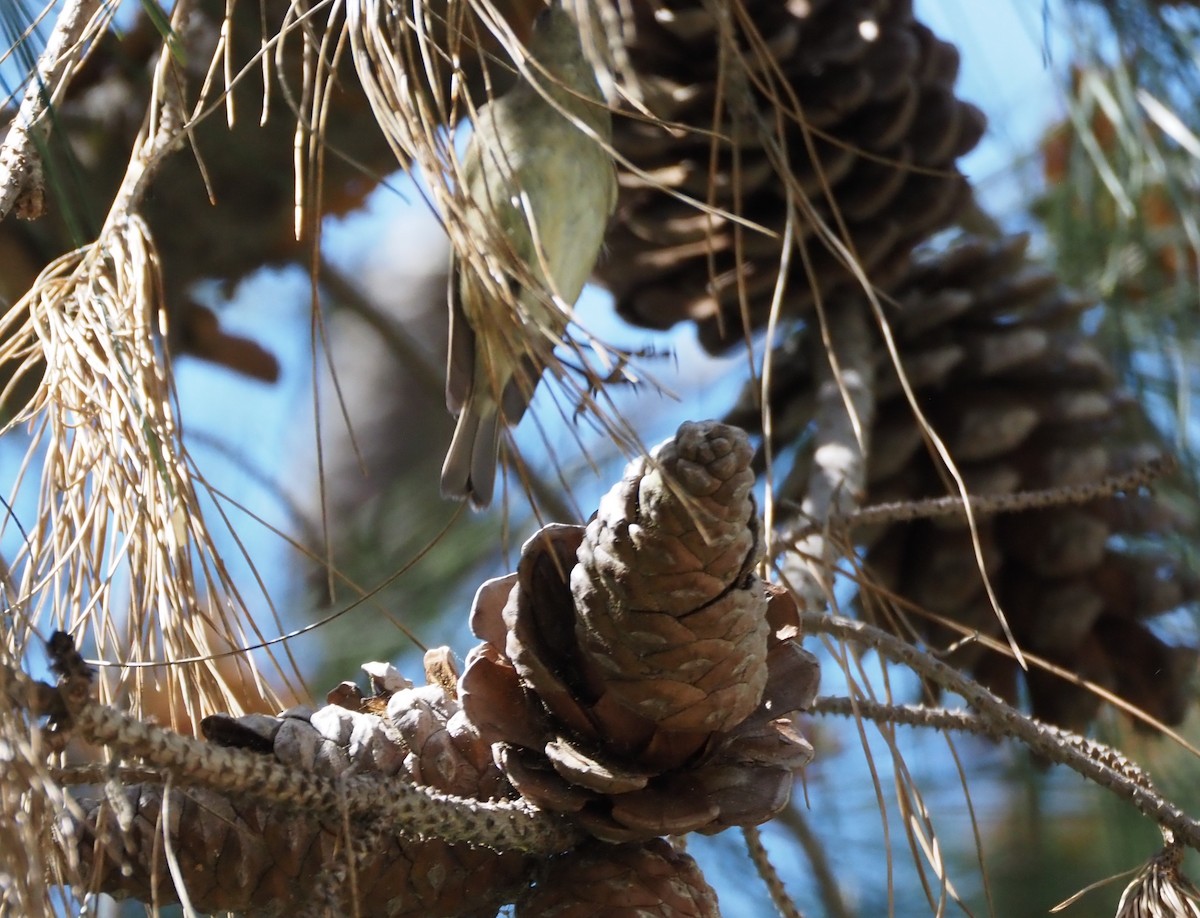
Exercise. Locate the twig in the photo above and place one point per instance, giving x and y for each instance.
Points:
(1096, 762)
(408, 351)
(20, 163)
(988, 504)
(99, 772)
(405, 808)
(408, 809)
(770, 876)
(844, 413)
(919, 715)
(164, 129)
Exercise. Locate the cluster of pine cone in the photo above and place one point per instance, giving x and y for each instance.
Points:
(636, 677)
(846, 115)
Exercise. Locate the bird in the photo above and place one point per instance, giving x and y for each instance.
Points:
(545, 188)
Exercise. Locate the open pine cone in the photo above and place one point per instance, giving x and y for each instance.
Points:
(993, 348)
(871, 130)
(638, 675)
(252, 857)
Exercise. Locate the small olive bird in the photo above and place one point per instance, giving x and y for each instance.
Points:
(545, 188)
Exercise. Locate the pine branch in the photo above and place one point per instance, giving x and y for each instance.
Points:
(407, 809)
(1098, 763)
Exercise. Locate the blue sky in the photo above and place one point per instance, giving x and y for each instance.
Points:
(1010, 54)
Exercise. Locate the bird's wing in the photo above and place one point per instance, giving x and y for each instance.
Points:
(460, 354)
(519, 391)
(460, 351)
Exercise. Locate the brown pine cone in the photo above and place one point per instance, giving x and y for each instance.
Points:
(639, 676)
(993, 347)
(253, 859)
(670, 612)
(246, 855)
(650, 879)
(871, 130)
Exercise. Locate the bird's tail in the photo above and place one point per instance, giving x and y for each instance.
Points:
(470, 467)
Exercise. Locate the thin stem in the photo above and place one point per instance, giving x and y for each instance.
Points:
(905, 511)
(823, 873)
(770, 876)
(408, 351)
(919, 715)
(405, 808)
(1096, 762)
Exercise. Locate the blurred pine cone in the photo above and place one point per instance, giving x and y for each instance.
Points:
(639, 676)
(994, 349)
(871, 130)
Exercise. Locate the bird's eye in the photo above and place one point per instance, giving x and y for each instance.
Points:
(542, 22)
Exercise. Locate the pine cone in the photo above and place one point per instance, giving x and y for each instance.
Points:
(246, 855)
(600, 879)
(639, 675)
(874, 132)
(993, 347)
(252, 859)
(670, 613)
